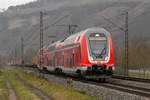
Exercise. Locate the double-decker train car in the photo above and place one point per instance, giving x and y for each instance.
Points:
(88, 53)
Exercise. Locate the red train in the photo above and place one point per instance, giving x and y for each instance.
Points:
(88, 53)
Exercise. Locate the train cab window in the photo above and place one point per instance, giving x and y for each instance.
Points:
(98, 44)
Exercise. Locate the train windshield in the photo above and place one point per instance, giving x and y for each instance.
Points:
(98, 44)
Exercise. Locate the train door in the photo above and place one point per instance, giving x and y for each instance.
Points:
(69, 62)
(54, 61)
(63, 59)
(73, 59)
(47, 60)
(77, 55)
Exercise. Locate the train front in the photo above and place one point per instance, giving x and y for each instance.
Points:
(97, 53)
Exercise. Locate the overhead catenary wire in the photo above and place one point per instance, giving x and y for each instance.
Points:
(69, 26)
(108, 20)
(53, 24)
(57, 21)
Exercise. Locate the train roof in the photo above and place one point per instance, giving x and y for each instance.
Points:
(75, 37)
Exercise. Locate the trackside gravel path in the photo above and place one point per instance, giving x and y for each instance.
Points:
(37, 91)
(12, 95)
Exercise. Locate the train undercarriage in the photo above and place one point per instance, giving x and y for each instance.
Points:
(97, 72)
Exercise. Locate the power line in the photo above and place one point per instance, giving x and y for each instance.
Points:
(58, 20)
(53, 24)
(69, 27)
(108, 20)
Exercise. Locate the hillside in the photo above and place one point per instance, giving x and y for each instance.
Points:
(23, 20)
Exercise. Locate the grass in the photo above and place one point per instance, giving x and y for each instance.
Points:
(53, 90)
(139, 75)
(3, 88)
(22, 92)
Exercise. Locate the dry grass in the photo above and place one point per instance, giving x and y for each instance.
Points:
(53, 90)
(139, 75)
(22, 92)
(3, 88)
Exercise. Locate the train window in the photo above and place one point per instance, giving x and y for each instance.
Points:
(62, 60)
(80, 52)
(73, 60)
(97, 36)
(78, 38)
(47, 61)
(50, 62)
(54, 61)
(73, 57)
(69, 62)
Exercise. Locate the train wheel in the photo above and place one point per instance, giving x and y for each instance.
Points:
(45, 70)
(82, 76)
(102, 79)
(58, 71)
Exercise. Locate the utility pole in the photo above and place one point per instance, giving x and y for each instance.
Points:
(41, 39)
(22, 50)
(126, 43)
(15, 56)
(125, 30)
(70, 27)
(12, 57)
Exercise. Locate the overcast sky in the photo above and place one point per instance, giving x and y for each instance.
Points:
(6, 3)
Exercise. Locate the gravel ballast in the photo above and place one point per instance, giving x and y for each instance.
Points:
(97, 91)
(93, 90)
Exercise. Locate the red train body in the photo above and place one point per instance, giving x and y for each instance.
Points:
(88, 53)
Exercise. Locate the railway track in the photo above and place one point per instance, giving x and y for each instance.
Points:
(131, 78)
(144, 92)
(129, 89)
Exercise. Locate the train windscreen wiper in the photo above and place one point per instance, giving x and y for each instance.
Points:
(102, 52)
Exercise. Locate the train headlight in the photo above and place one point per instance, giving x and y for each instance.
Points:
(106, 58)
(113, 68)
(97, 35)
(91, 58)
